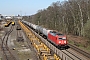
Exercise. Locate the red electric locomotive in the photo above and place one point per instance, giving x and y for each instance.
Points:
(58, 39)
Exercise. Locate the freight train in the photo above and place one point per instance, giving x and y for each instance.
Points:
(58, 39)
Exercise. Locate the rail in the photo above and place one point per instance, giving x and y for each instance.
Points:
(79, 50)
(5, 47)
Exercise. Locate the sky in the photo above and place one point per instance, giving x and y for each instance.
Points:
(23, 7)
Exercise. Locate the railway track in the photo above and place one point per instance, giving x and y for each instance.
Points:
(6, 51)
(80, 51)
(19, 36)
(65, 54)
(71, 55)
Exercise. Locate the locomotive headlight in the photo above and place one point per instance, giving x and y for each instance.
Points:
(59, 41)
(64, 37)
(65, 42)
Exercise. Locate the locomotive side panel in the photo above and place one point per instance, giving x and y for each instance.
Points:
(52, 38)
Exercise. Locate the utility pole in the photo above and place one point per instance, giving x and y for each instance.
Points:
(21, 13)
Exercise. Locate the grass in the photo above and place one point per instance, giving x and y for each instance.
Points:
(88, 48)
(70, 41)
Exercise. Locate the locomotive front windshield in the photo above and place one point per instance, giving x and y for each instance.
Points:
(63, 38)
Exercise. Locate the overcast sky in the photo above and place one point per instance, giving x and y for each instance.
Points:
(23, 7)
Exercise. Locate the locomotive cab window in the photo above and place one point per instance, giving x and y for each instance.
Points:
(62, 38)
